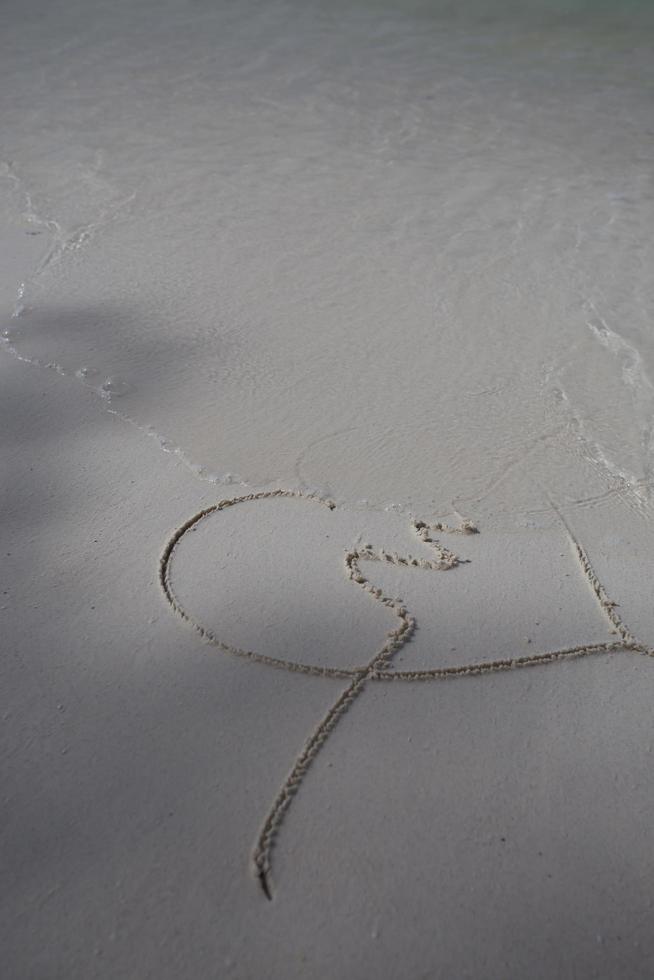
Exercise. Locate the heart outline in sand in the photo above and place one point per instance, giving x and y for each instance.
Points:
(379, 668)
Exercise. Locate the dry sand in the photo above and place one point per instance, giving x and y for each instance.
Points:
(295, 301)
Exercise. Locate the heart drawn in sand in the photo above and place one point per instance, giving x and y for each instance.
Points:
(379, 666)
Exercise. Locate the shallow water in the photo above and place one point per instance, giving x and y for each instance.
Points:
(398, 253)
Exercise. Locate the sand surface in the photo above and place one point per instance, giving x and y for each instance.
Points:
(379, 281)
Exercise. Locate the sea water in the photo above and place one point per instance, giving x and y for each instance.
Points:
(400, 253)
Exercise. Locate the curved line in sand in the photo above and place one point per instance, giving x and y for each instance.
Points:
(379, 667)
(165, 579)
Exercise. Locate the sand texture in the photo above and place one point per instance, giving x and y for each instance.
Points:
(327, 400)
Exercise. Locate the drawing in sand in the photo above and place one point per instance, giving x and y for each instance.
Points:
(379, 667)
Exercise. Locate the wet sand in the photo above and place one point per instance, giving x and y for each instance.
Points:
(327, 533)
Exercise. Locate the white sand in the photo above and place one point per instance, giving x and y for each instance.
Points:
(399, 261)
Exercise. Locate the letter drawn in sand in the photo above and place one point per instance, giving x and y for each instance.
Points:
(379, 667)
